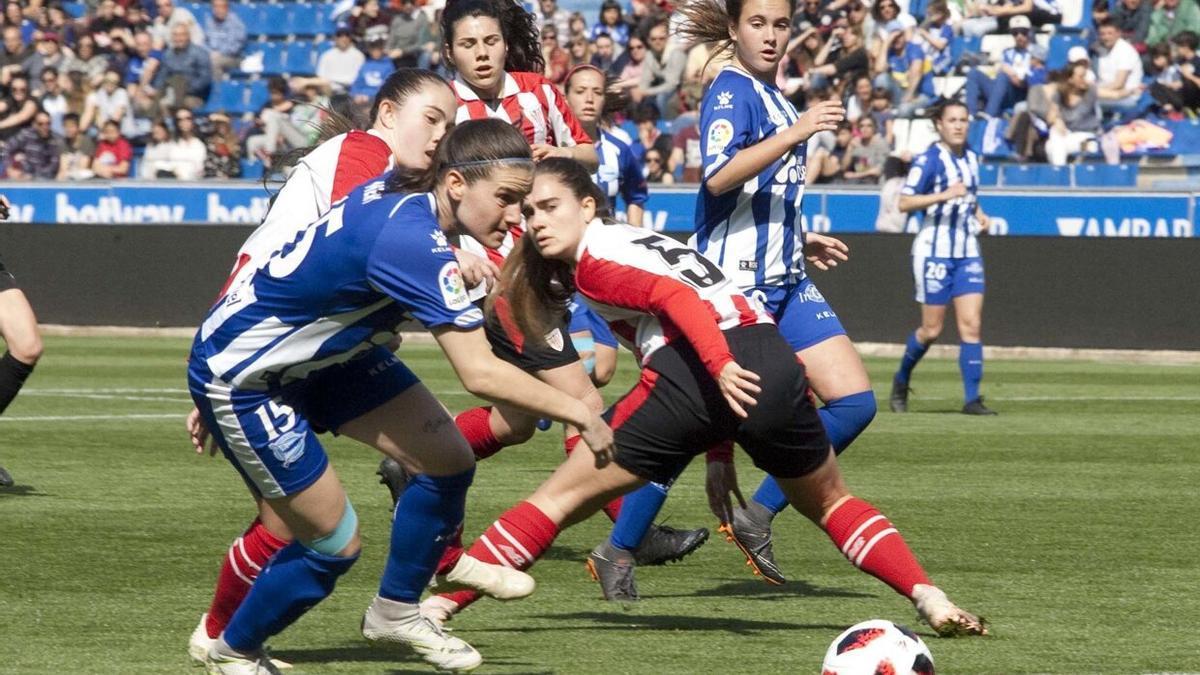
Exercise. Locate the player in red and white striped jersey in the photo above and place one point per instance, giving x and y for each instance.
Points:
(715, 368)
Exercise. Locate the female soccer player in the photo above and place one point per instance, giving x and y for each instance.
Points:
(749, 223)
(412, 110)
(297, 346)
(946, 263)
(23, 342)
(715, 369)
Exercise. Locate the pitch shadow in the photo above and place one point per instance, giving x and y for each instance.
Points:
(633, 621)
(22, 491)
(759, 590)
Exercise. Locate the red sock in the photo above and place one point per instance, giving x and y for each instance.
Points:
(517, 539)
(476, 428)
(454, 551)
(871, 542)
(613, 508)
(246, 557)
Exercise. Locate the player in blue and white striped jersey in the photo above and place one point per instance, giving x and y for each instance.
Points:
(941, 194)
(297, 346)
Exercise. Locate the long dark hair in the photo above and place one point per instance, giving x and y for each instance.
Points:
(539, 289)
(708, 22)
(474, 148)
(520, 31)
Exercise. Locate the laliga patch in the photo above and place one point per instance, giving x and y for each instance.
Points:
(720, 133)
(555, 339)
(454, 290)
(288, 447)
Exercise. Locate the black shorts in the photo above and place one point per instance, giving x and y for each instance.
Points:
(676, 411)
(7, 280)
(510, 344)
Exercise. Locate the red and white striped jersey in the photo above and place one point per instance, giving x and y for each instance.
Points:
(653, 290)
(320, 178)
(529, 102)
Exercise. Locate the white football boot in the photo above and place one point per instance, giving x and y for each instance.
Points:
(200, 642)
(221, 660)
(945, 617)
(388, 622)
(494, 581)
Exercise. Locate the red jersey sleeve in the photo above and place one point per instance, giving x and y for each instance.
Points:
(672, 302)
(362, 157)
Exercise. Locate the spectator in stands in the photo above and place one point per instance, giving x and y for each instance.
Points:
(663, 72)
(579, 27)
(34, 152)
(113, 153)
(604, 52)
(1184, 93)
(188, 151)
(17, 109)
(888, 19)
(109, 102)
(78, 148)
(14, 54)
(1172, 17)
(842, 57)
(58, 21)
(143, 62)
(808, 13)
(685, 153)
(185, 73)
(169, 16)
(280, 130)
(372, 74)
(858, 103)
(826, 165)
(900, 68)
(656, 168)
(703, 64)
(16, 15)
(1011, 82)
(224, 156)
(225, 37)
(1131, 16)
(103, 23)
(611, 23)
(49, 54)
(137, 17)
(53, 100)
(649, 136)
(90, 64)
(881, 112)
(580, 51)
(370, 22)
(996, 15)
(410, 42)
(628, 67)
(118, 52)
(156, 161)
(337, 68)
(548, 11)
(557, 60)
(891, 218)
(863, 161)
(936, 36)
(1119, 70)
(1069, 108)
(1079, 54)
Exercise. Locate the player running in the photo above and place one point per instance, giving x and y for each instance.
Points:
(749, 223)
(23, 342)
(297, 347)
(715, 369)
(941, 193)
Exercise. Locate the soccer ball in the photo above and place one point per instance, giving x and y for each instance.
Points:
(877, 647)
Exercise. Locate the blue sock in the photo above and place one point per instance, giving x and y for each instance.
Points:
(844, 419)
(296, 579)
(970, 364)
(427, 516)
(913, 351)
(638, 510)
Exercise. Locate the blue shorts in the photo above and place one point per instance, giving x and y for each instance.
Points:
(803, 315)
(270, 437)
(938, 280)
(584, 319)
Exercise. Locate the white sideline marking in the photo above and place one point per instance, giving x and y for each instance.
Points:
(1066, 398)
(82, 418)
(105, 397)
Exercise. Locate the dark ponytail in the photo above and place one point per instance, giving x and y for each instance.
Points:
(474, 148)
(517, 26)
(539, 289)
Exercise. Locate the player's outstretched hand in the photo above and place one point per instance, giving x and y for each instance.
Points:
(824, 252)
(739, 387)
(955, 191)
(599, 438)
(824, 116)
(720, 483)
(985, 223)
(476, 269)
(199, 435)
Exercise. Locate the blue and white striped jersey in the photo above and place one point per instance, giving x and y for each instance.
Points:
(946, 230)
(619, 172)
(754, 234)
(340, 287)
(1020, 60)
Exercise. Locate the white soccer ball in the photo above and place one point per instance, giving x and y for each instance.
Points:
(877, 647)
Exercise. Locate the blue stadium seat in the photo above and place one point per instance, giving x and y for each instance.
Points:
(200, 10)
(300, 58)
(226, 95)
(256, 95)
(273, 20)
(989, 174)
(252, 169)
(323, 23)
(1060, 44)
(1040, 175)
(1106, 175)
(306, 19)
(274, 56)
(75, 9)
(962, 45)
(250, 15)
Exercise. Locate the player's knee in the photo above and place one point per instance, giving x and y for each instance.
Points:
(343, 540)
(603, 372)
(930, 331)
(855, 411)
(26, 348)
(969, 329)
(516, 434)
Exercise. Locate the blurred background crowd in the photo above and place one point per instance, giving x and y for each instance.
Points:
(156, 89)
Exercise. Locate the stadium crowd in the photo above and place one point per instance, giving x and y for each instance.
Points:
(127, 89)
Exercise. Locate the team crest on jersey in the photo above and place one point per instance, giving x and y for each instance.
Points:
(811, 294)
(724, 99)
(555, 339)
(720, 133)
(288, 447)
(454, 290)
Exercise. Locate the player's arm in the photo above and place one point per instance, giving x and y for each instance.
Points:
(910, 203)
(916, 194)
(633, 189)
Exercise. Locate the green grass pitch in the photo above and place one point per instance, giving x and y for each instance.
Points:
(1069, 521)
